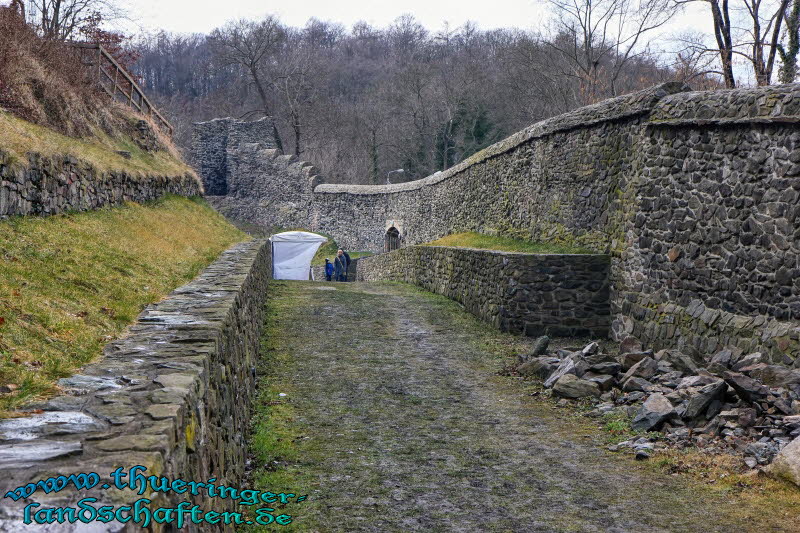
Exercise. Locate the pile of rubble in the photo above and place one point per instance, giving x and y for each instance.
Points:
(729, 402)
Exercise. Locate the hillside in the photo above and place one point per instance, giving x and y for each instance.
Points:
(71, 283)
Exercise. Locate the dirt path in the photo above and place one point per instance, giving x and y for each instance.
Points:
(402, 424)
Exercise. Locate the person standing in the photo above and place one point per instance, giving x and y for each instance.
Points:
(328, 269)
(346, 263)
(340, 266)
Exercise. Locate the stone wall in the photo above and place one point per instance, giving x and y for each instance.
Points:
(534, 294)
(694, 195)
(174, 396)
(714, 256)
(248, 179)
(51, 185)
(559, 181)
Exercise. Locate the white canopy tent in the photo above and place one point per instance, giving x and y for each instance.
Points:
(292, 252)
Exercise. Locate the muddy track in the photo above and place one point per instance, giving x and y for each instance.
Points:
(414, 431)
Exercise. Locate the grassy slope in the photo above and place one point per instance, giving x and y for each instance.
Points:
(19, 137)
(70, 283)
(504, 244)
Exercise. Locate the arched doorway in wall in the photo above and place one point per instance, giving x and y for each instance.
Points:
(392, 240)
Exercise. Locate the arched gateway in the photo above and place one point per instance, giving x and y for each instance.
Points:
(392, 239)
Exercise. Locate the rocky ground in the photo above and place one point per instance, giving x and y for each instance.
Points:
(387, 406)
(727, 402)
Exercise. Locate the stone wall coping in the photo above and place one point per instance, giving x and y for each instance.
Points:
(614, 109)
(764, 105)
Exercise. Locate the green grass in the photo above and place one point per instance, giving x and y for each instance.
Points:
(20, 137)
(71, 283)
(277, 444)
(505, 244)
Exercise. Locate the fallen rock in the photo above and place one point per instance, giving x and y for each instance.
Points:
(571, 386)
(696, 381)
(746, 417)
(722, 358)
(748, 389)
(605, 381)
(748, 360)
(702, 398)
(600, 358)
(636, 384)
(629, 359)
(679, 361)
(654, 412)
(646, 368)
(606, 368)
(540, 346)
(567, 366)
(590, 349)
(541, 367)
(630, 344)
(773, 375)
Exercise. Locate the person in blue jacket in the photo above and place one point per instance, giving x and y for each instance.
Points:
(328, 269)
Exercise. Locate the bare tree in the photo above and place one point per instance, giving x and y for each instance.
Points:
(789, 51)
(363, 102)
(752, 30)
(62, 19)
(599, 37)
(251, 45)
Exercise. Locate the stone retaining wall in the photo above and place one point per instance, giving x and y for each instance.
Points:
(535, 294)
(174, 396)
(51, 185)
(695, 195)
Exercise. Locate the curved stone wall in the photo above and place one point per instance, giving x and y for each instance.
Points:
(695, 195)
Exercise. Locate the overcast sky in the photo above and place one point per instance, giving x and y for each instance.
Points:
(188, 16)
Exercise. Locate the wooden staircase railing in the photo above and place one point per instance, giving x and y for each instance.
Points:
(118, 84)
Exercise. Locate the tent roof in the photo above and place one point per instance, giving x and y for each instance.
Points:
(297, 236)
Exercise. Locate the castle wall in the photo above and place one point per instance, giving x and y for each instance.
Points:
(49, 185)
(534, 294)
(174, 396)
(694, 195)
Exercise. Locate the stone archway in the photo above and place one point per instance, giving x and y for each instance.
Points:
(392, 240)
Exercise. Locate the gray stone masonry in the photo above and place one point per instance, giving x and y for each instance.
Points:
(51, 185)
(695, 195)
(534, 294)
(174, 395)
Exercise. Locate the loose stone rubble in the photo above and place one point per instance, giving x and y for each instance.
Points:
(725, 402)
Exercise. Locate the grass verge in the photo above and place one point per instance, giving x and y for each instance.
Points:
(281, 452)
(20, 137)
(504, 244)
(71, 283)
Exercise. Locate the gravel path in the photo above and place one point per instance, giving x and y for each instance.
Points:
(409, 428)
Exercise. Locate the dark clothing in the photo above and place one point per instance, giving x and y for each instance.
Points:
(340, 268)
(328, 270)
(347, 264)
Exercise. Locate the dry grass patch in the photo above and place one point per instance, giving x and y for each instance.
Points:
(777, 501)
(20, 137)
(71, 283)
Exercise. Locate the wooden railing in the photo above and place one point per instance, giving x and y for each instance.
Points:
(117, 83)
